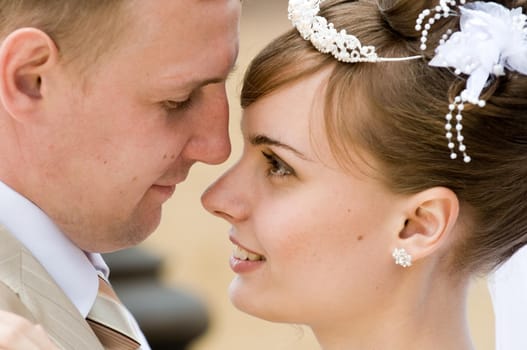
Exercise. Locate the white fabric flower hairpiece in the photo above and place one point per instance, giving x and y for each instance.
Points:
(491, 39)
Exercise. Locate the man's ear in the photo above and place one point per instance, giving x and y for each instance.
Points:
(26, 55)
(431, 216)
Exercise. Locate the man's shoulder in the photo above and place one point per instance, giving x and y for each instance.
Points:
(28, 290)
(10, 301)
(10, 245)
(10, 259)
(10, 276)
(14, 258)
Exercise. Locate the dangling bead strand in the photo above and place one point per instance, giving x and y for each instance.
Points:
(441, 10)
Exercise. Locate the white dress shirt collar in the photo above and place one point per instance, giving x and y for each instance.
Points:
(74, 270)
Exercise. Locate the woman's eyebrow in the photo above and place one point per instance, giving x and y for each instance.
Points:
(260, 139)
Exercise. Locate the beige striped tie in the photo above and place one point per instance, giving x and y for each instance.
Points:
(110, 322)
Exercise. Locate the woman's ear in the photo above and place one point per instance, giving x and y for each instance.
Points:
(431, 216)
(26, 55)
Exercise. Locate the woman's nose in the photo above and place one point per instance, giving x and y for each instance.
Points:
(225, 197)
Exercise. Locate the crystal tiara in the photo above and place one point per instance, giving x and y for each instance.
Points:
(326, 39)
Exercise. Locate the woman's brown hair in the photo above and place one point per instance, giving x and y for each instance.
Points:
(395, 111)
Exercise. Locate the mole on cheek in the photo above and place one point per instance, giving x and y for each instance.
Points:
(360, 238)
(165, 156)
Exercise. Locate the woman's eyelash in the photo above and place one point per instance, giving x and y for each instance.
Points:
(277, 167)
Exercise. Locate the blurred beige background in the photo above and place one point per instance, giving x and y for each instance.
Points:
(195, 247)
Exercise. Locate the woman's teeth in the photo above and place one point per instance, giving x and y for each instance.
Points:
(242, 254)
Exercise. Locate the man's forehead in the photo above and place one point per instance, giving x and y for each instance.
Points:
(174, 55)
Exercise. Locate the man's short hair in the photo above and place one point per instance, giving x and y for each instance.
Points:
(81, 29)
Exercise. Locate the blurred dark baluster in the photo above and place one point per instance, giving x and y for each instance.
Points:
(170, 317)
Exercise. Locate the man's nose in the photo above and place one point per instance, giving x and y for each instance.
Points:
(211, 143)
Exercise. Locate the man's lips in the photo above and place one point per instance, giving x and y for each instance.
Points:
(167, 190)
(168, 185)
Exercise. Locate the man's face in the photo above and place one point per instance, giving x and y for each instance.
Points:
(116, 143)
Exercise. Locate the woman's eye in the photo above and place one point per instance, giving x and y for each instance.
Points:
(277, 167)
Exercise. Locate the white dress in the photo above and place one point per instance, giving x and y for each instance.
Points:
(508, 289)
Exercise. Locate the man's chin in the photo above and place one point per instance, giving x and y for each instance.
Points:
(140, 230)
(123, 236)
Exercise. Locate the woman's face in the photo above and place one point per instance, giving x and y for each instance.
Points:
(312, 243)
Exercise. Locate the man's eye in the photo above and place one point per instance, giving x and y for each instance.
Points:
(176, 106)
(277, 167)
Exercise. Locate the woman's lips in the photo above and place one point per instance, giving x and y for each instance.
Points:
(244, 261)
(244, 254)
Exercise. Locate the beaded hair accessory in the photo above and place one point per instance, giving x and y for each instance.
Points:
(491, 40)
(326, 39)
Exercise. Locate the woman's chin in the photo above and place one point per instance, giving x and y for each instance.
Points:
(253, 303)
(246, 300)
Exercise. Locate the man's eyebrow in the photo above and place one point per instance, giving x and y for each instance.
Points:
(232, 70)
(259, 139)
(198, 83)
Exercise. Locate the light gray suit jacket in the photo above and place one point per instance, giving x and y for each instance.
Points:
(28, 290)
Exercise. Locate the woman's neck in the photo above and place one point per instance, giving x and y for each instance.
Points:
(418, 316)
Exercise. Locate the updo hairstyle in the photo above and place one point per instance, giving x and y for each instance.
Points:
(395, 111)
